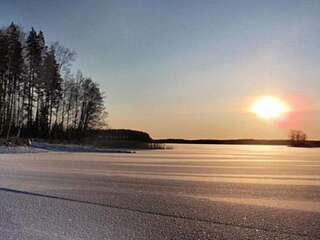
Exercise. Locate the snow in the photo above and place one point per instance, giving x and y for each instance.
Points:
(76, 148)
(21, 149)
(37, 147)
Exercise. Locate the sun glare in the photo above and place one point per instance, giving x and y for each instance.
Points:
(269, 107)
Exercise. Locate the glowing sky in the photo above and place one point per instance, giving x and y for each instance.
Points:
(190, 69)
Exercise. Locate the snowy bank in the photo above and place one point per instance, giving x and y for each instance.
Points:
(75, 148)
(37, 147)
(21, 149)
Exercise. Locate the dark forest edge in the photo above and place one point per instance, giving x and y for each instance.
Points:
(113, 138)
(97, 138)
(39, 95)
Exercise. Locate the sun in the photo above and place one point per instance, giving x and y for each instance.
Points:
(269, 107)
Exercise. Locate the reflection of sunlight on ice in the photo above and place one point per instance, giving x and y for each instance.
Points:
(233, 153)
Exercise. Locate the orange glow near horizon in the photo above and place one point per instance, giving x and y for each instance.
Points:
(269, 107)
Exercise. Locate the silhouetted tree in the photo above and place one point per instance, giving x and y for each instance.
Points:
(12, 69)
(92, 104)
(297, 138)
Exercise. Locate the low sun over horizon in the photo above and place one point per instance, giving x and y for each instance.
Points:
(192, 69)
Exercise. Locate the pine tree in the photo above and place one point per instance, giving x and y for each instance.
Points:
(14, 72)
(34, 59)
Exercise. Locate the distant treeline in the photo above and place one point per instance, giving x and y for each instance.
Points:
(238, 141)
(121, 135)
(225, 141)
(39, 96)
(101, 136)
(120, 138)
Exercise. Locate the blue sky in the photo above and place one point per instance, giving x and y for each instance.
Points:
(187, 68)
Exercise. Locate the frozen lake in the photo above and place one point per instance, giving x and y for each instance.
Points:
(189, 192)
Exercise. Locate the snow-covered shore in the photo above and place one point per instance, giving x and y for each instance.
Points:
(37, 147)
(20, 149)
(76, 148)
